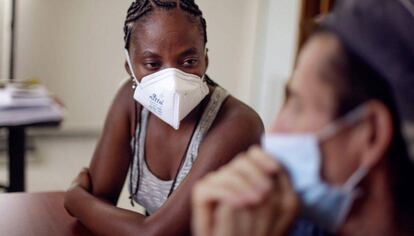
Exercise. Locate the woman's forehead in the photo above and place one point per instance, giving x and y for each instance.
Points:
(165, 29)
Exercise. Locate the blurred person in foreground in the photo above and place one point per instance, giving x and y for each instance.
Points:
(336, 155)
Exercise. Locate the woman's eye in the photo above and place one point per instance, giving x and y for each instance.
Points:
(152, 65)
(190, 62)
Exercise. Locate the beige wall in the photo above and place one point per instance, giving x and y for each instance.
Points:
(275, 55)
(75, 48)
(5, 17)
(2, 30)
(232, 27)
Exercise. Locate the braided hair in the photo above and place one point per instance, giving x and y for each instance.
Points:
(140, 8)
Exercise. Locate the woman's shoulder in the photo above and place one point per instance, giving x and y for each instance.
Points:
(123, 105)
(125, 92)
(238, 118)
(234, 108)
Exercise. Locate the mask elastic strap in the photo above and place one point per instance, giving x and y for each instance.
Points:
(349, 119)
(128, 58)
(203, 78)
(356, 178)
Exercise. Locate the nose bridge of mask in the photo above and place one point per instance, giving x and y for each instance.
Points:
(335, 127)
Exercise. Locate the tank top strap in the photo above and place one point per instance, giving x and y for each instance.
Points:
(207, 119)
(138, 156)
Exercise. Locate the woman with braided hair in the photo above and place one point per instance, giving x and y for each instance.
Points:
(170, 125)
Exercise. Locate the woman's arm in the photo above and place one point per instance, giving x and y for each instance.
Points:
(236, 128)
(111, 159)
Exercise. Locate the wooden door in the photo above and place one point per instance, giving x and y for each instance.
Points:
(312, 10)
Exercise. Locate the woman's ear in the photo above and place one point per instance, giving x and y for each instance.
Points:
(380, 132)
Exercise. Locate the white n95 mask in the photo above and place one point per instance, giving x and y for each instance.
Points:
(170, 94)
(321, 203)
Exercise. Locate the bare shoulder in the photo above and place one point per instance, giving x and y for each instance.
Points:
(124, 95)
(123, 106)
(236, 128)
(239, 118)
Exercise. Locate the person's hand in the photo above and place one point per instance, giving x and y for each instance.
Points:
(250, 196)
(83, 180)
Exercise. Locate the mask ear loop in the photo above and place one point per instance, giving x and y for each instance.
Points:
(350, 188)
(349, 119)
(203, 78)
(330, 130)
(128, 58)
(356, 178)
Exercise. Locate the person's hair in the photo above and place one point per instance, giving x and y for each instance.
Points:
(141, 8)
(357, 83)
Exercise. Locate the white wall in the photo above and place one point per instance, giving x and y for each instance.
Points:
(75, 48)
(5, 26)
(232, 27)
(2, 30)
(276, 52)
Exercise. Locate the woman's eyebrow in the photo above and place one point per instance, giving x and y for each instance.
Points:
(148, 53)
(189, 52)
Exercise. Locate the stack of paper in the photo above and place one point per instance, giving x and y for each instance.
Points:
(25, 103)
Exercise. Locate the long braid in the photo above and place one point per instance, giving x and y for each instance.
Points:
(191, 7)
(135, 11)
(165, 4)
(140, 8)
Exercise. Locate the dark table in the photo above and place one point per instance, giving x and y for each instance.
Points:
(17, 151)
(37, 214)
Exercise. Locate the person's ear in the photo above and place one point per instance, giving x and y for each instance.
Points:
(376, 133)
(128, 70)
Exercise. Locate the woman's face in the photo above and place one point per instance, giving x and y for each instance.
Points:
(310, 104)
(167, 39)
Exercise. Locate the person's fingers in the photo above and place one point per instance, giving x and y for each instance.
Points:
(203, 209)
(244, 183)
(215, 188)
(248, 219)
(236, 186)
(222, 187)
(263, 160)
(226, 221)
(264, 219)
(287, 202)
(253, 174)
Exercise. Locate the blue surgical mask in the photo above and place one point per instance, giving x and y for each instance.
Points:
(324, 204)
